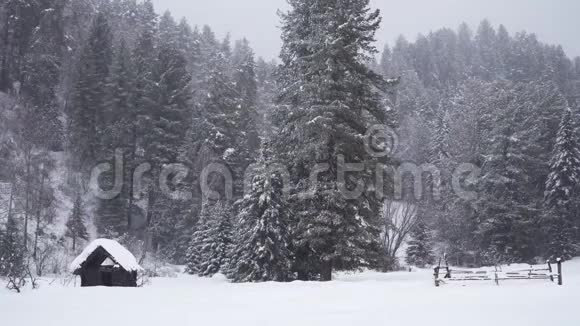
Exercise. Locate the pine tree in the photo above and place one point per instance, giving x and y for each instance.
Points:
(386, 62)
(188, 44)
(147, 18)
(486, 61)
(20, 18)
(75, 227)
(168, 32)
(167, 123)
(562, 182)
(266, 93)
(120, 101)
(247, 138)
(169, 112)
(560, 218)
(110, 213)
(143, 56)
(12, 253)
(219, 101)
(216, 119)
(208, 251)
(419, 251)
(330, 100)
(465, 48)
(260, 251)
(42, 69)
(525, 64)
(401, 58)
(124, 17)
(113, 216)
(194, 250)
(88, 109)
(504, 47)
(509, 211)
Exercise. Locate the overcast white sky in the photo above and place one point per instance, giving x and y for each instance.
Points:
(554, 21)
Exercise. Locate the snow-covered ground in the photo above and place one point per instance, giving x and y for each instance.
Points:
(408, 299)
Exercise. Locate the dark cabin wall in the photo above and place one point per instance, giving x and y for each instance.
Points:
(118, 277)
(124, 278)
(93, 274)
(91, 277)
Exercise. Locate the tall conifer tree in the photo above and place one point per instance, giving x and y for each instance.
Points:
(331, 97)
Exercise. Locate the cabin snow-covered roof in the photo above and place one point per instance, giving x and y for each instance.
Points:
(117, 253)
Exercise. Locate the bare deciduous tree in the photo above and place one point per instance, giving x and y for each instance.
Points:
(399, 218)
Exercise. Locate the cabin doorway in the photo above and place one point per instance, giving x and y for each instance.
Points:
(107, 278)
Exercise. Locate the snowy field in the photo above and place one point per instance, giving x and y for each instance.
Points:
(407, 299)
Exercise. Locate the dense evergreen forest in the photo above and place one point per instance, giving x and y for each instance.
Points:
(88, 82)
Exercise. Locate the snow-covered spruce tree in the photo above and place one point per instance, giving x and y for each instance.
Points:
(219, 100)
(420, 251)
(266, 81)
(143, 59)
(386, 61)
(216, 118)
(12, 253)
(168, 32)
(75, 227)
(329, 98)
(561, 193)
(19, 20)
(41, 76)
(88, 104)
(121, 112)
(247, 138)
(193, 255)
(187, 43)
(486, 60)
(562, 183)
(169, 111)
(166, 124)
(208, 251)
(111, 215)
(260, 251)
(508, 205)
(507, 214)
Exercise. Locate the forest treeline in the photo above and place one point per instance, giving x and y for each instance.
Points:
(499, 101)
(82, 80)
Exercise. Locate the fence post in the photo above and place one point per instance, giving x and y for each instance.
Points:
(551, 271)
(436, 275)
(448, 274)
(560, 281)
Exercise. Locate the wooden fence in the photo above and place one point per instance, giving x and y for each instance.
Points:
(444, 274)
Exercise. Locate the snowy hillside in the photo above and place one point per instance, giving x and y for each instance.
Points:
(370, 298)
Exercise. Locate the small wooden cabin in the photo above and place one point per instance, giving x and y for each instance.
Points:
(106, 263)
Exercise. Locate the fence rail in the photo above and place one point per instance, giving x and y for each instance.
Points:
(443, 274)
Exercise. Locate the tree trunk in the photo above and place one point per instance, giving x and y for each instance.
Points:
(131, 164)
(149, 244)
(11, 200)
(38, 214)
(27, 201)
(326, 271)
